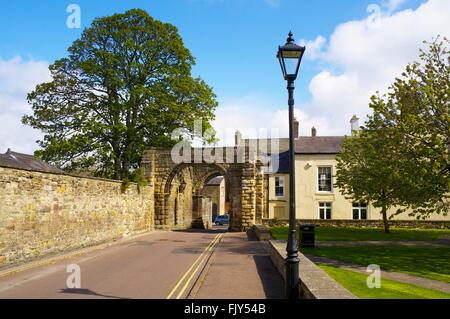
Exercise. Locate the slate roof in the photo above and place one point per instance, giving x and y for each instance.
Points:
(29, 162)
(307, 145)
(319, 144)
(283, 163)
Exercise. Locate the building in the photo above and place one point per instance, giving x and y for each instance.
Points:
(26, 162)
(316, 196)
(215, 191)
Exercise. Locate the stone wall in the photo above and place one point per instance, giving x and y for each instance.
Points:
(314, 282)
(425, 224)
(43, 214)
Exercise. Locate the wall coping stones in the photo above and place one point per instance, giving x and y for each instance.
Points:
(262, 232)
(66, 174)
(314, 282)
(425, 224)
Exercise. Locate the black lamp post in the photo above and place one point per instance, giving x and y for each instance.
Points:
(290, 56)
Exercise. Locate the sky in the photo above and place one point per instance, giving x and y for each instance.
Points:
(354, 48)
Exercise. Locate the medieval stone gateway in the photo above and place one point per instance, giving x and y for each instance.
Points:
(178, 200)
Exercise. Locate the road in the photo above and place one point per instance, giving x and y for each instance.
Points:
(156, 266)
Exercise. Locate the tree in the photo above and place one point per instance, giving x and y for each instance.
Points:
(402, 155)
(365, 172)
(416, 110)
(125, 86)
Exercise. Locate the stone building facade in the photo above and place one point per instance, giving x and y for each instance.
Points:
(316, 196)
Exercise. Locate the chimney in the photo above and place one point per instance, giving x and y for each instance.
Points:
(354, 122)
(313, 132)
(296, 128)
(237, 138)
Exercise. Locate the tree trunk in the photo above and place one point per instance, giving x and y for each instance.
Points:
(385, 220)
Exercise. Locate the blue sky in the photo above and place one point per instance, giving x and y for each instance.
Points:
(234, 42)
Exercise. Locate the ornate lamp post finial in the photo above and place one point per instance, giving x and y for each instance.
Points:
(290, 39)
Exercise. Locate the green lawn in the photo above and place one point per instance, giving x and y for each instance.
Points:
(365, 234)
(356, 283)
(428, 262)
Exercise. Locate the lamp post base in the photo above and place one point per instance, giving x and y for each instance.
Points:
(292, 280)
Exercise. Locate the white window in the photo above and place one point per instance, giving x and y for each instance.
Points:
(325, 210)
(359, 211)
(325, 181)
(279, 186)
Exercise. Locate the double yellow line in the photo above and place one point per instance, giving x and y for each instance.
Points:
(190, 272)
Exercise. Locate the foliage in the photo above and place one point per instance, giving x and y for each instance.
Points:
(124, 87)
(401, 157)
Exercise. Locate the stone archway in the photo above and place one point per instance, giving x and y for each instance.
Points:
(244, 182)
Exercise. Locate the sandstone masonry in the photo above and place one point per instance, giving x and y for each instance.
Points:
(45, 213)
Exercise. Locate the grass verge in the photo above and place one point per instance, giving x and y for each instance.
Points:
(356, 284)
(427, 262)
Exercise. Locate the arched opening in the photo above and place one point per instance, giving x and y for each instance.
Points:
(178, 204)
(215, 189)
(196, 192)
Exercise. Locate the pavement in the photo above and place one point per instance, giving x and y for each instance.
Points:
(159, 265)
(241, 269)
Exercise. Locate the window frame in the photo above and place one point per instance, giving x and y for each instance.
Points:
(318, 179)
(283, 186)
(327, 206)
(360, 207)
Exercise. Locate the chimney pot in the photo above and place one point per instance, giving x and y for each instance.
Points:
(237, 138)
(354, 122)
(313, 132)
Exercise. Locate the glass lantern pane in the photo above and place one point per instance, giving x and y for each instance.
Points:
(291, 65)
(291, 60)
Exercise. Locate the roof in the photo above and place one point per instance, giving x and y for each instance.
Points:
(29, 162)
(280, 163)
(319, 144)
(306, 145)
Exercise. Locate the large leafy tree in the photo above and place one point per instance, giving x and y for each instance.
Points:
(366, 171)
(125, 86)
(403, 152)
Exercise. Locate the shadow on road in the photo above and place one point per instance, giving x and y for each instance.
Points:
(204, 231)
(88, 292)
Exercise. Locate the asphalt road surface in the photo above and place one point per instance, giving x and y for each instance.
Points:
(158, 265)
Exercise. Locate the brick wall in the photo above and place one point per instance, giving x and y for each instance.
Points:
(43, 214)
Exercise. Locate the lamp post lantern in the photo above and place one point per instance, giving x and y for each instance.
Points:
(290, 56)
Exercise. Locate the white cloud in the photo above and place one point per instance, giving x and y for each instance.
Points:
(360, 58)
(315, 47)
(392, 5)
(253, 116)
(369, 57)
(17, 78)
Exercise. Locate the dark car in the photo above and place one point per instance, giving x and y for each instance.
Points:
(222, 220)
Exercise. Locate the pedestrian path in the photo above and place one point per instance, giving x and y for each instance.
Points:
(240, 269)
(396, 276)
